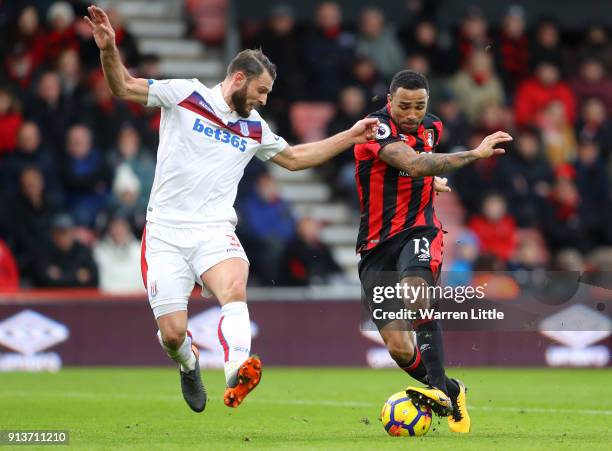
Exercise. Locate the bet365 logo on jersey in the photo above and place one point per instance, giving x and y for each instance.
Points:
(220, 135)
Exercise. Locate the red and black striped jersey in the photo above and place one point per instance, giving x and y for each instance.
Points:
(390, 200)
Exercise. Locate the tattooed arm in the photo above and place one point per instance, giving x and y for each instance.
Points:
(403, 157)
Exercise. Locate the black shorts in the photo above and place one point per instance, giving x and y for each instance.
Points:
(413, 252)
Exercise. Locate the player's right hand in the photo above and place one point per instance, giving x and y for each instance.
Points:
(364, 130)
(487, 147)
(103, 32)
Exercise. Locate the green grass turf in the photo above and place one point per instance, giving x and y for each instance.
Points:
(140, 408)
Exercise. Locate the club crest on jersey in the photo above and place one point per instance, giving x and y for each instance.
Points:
(244, 128)
(383, 131)
(428, 137)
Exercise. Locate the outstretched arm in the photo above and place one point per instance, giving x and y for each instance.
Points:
(313, 154)
(121, 83)
(403, 157)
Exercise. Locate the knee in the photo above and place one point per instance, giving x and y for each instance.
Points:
(173, 338)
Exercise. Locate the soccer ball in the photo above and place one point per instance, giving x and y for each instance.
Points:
(402, 418)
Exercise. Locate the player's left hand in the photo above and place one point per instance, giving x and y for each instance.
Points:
(488, 146)
(440, 185)
(364, 130)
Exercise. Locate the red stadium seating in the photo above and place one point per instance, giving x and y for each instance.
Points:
(309, 119)
(210, 19)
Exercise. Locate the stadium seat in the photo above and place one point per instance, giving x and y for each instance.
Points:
(309, 119)
(210, 20)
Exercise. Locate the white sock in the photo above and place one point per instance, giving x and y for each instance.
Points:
(235, 337)
(184, 355)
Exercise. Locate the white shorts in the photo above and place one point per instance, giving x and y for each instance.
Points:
(173, 259)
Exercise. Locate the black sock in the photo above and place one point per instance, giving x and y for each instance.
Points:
(452, 387)
(416, 367)
(429, 341)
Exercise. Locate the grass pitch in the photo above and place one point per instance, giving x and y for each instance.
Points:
(142, 408)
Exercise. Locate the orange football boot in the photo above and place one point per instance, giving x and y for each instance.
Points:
(249, 375)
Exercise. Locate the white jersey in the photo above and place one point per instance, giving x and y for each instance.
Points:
(203, 150)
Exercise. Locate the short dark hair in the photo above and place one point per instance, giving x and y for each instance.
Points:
(252, 62)
(408, 79)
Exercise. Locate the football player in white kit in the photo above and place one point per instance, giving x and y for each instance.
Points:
(207, 137)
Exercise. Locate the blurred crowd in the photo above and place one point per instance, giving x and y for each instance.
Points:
(76, 164)
(546, 204)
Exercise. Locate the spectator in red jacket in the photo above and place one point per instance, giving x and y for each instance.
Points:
(534, 94)
(495, 229)
(10, 121)
(9, 275)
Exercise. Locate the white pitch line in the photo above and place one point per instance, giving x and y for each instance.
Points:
(301, 402)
